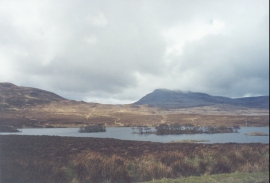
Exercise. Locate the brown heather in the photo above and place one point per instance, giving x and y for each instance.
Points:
(37, 159)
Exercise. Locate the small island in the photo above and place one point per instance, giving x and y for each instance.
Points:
(8, 129)
(188, 141)
(142, 130)
(257, 134)
(166, 129)
(93, 128)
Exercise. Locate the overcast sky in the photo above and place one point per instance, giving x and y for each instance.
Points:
(116, 51)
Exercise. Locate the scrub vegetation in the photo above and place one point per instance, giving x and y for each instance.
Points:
(79, 160)
(239, 177)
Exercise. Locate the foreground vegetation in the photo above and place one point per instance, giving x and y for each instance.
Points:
(40, 159)
(256, 177)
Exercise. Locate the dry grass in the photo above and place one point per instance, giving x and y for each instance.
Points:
(94, 167)
(63, 159)
(66, 113)
(239, 177)
(41, 117)
(218, 120)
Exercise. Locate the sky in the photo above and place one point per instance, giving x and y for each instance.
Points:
(117, 51)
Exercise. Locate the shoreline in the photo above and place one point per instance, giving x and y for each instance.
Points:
(112, 126)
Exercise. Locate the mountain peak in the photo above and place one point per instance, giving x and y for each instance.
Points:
(168, 90)
(173, 99)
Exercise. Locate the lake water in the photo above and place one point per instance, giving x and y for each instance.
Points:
(125, 133)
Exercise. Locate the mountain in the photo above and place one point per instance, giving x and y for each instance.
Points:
(171, 99)
(25, 107)
(18, 96)
(12, 96)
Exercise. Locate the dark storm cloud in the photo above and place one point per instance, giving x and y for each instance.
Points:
(117, 51)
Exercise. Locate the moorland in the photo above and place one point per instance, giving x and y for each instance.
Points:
(37, 159)
(25, 107)
(42, 159)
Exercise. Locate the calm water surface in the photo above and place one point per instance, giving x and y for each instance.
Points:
(125, 133)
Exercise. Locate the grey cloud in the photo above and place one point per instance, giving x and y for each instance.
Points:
(225, 66)
(117, 49)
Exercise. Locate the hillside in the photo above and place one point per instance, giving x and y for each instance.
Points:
(170, 99)
(25, 107)
(17, 96)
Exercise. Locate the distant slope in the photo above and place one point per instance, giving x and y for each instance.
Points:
(170, 99)
(12, 96)
(17, 96)
(261, 102)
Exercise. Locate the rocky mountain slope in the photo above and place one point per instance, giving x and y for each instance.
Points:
(170, 99)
